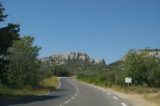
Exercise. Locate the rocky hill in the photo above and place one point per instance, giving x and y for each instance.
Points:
(74, 62)
(118, 64)
(154, 53)
(62, 59)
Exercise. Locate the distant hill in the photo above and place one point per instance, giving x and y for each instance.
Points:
(78, 61)
(150, 52)
(74, 61)
(118, 64)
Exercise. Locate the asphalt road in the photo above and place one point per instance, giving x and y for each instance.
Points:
(72, 93)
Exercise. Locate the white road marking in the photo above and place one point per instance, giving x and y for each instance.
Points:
(123, 104)
(75, 94)
(115, 98)
(67, 101)
(73, 85)
(72, 97)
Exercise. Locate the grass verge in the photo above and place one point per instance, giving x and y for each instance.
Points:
(135, 89)
(47, 85)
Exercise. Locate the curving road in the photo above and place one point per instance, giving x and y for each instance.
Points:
(73, 93)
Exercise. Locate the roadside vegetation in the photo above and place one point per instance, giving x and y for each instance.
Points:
(144, 69)
(46, 85)
(21, 72)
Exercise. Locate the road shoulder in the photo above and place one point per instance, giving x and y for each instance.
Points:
(133, 99)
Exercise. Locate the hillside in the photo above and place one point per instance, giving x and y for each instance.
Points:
(78, 61)
(117, 65)
(150, 52)
(74, 61)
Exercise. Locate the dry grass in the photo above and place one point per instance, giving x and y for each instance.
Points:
(52, 82)
(151, 95)
(135, 89)
(46, 86)
(153, 98)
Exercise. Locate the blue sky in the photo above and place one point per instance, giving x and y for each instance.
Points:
(104, 29)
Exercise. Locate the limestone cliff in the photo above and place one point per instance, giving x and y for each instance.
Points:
(63, 58)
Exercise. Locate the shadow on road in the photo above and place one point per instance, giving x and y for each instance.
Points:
(27, 99)
(59, 90)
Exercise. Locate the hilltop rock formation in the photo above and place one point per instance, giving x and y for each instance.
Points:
(63, 58)
(155, 54)
(149, 53)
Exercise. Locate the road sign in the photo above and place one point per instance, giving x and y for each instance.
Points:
(128, 80)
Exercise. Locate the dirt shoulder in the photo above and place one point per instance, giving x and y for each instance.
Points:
(133, 99)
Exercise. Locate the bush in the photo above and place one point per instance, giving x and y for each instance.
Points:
(61, 71)
(154, 77)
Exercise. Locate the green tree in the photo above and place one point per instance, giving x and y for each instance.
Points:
(134, 66)
(154, 77)
(8, 35)
(23, 67)
(60, 70)
(2, 16)
(120, 77)
(137, 64)
(47, 69)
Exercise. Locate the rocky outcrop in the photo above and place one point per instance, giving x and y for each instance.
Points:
(100, 61)
(155, 54)
(63, 58)
(149, 53)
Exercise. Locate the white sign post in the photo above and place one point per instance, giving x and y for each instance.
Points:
(128, 80)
